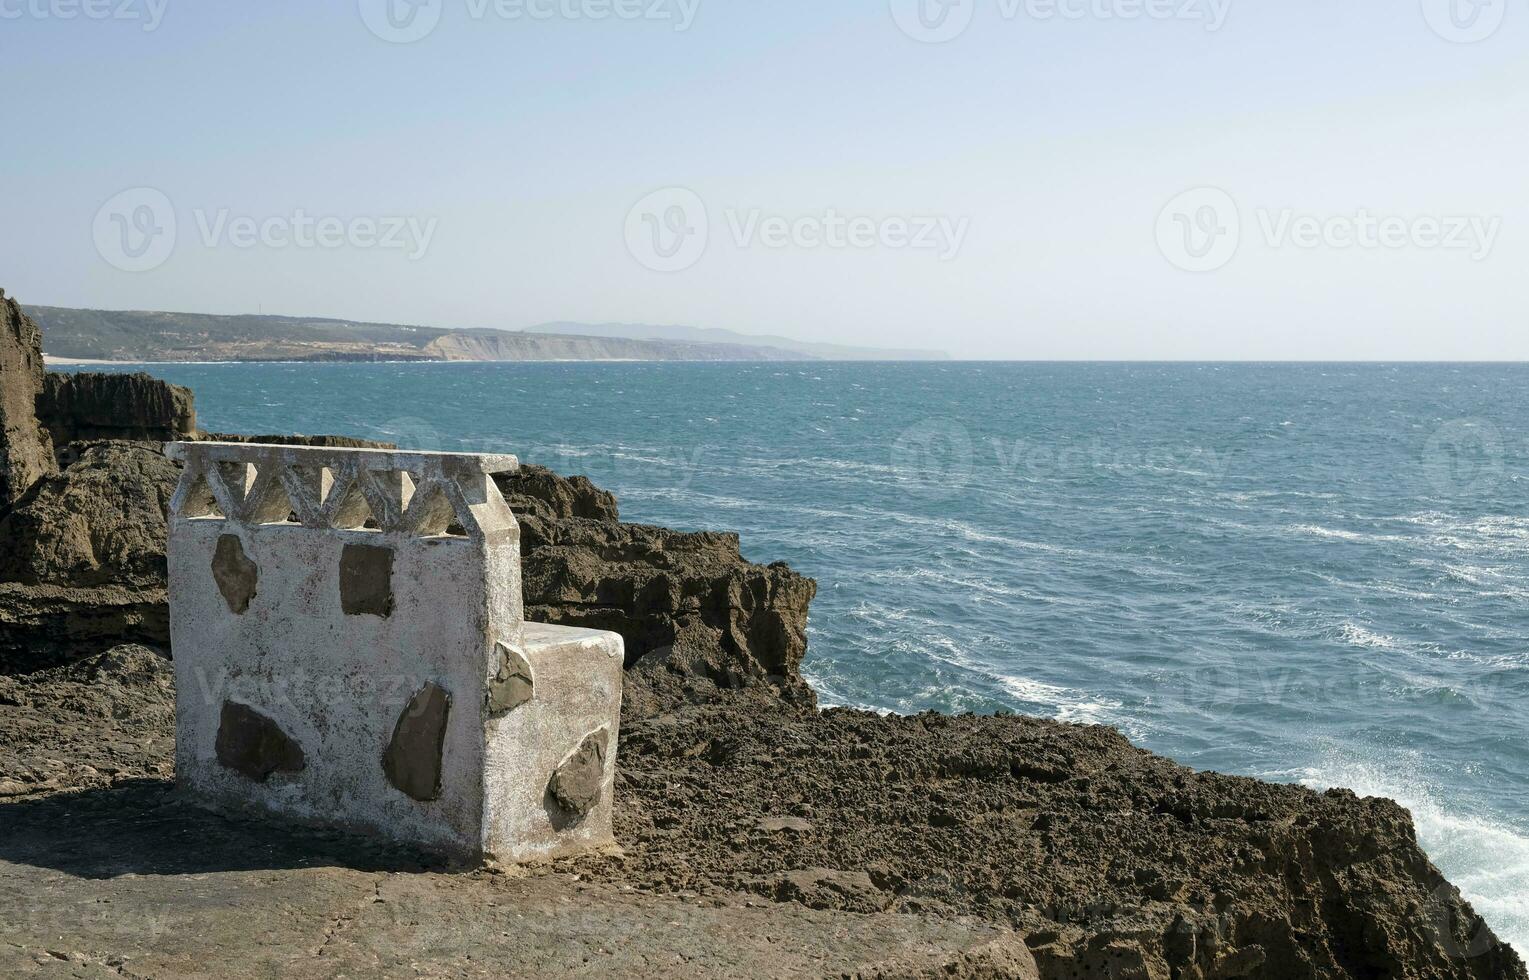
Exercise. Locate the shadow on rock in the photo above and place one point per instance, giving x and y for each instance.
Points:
(142, 828)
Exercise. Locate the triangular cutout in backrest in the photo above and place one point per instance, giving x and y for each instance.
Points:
(268, 502)
(430, 513)
(237, 478)
(199, 500)
(349, 511)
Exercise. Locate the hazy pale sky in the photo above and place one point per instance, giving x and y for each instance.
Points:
(999, 178)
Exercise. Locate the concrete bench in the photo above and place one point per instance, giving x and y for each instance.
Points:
(350, 650)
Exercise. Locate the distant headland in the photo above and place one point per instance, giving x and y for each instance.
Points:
(138, 336)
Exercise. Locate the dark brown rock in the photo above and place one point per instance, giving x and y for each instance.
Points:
(82, 558)
(237, 576)
(253, 745)
(1135, 867)
(412, 761)
(366, 580)
(512, 684)
(576, 783)
(696, 616)
(87, 406)
(26, 452)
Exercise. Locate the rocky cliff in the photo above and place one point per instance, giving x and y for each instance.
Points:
(114, 406)
(26, 453)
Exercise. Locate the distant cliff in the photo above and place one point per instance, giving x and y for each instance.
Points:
(135, 335)
(503, 346)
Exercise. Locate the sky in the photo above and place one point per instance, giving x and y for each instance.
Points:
(1017, 179)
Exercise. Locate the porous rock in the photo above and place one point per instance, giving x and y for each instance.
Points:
(87, 406)
(26, 452)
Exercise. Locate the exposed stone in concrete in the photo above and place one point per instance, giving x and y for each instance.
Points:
(576, 784)
(413, 758)
(513, 685)
(237, 576)
(254, 745)
(26, 452)
(366, 580)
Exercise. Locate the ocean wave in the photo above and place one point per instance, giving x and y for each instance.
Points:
(1356, 635)
(1486, 858)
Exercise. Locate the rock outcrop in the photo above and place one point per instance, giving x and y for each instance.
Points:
(82, 558)
(85, 406)
(695, 615)
(26, 452)
(1113, 862)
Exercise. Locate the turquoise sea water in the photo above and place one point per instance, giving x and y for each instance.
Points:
(1308, 573)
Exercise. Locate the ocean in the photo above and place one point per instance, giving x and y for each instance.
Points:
(1312, 573)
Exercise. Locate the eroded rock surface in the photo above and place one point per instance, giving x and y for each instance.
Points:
(1111, 860)
(26, 452)
(693, 612)
(88, 406)
(82, 558)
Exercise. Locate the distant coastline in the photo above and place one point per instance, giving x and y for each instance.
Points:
(96, 337)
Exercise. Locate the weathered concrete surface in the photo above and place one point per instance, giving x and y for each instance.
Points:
(26, 452)
(126, 882)
(86, 406)
(379, 652)
(576, 694)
